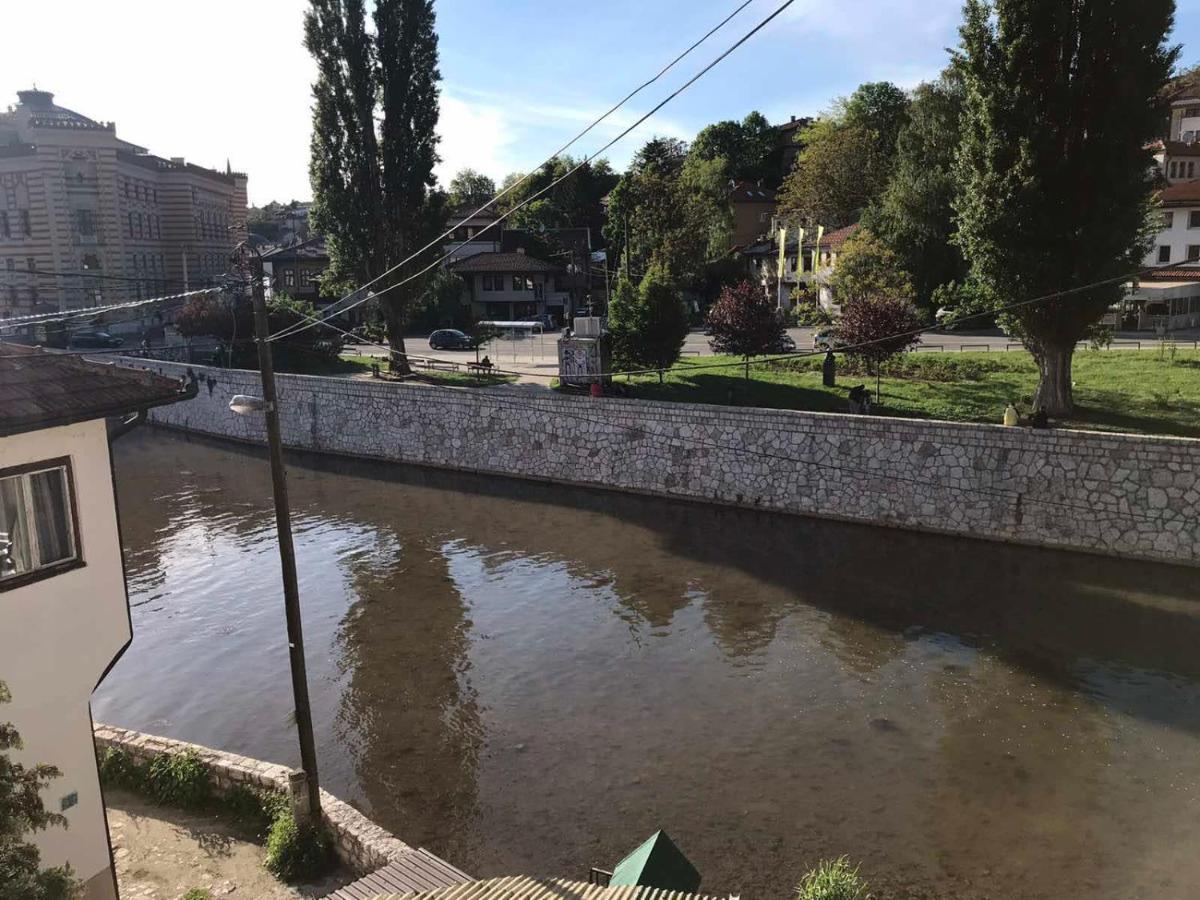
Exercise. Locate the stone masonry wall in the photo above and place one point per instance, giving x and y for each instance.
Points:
(361, 844)
(1122, 495)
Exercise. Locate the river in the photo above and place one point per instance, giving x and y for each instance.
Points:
(529, 678)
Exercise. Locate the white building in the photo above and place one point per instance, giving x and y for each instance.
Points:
(1168, 294)
(64, 613)
(810, 265)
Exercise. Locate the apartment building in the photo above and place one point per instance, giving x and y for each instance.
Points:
(88, 219)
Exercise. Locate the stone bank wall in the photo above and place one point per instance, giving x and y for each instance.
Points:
(1121, 495)
(361, 844)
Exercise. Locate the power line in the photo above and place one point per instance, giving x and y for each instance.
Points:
(586, 160)
(563, 149)
(62, 316)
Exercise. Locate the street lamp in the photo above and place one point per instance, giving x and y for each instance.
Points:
(247, 258)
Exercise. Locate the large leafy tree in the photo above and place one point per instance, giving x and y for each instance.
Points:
(915, 215)
(575, 202)
(848, 157)
(1061, 99)
(745, 147)
(867, 267)
(744, 322)
(374, 146)
(648, 323)
(470, 190)
(21, 812)
(661, 213)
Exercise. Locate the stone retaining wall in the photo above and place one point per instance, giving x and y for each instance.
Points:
(361, 844)
(1122, 495)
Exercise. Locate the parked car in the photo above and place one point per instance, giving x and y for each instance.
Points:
(785, 344)
(826, 339)
(95, 339)
(450, 339)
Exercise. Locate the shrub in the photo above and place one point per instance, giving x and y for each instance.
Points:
(179, 779)
(254, 810)
(117, 768)
(296, 853)
(833, 880)
(197, 894)
(809, 314)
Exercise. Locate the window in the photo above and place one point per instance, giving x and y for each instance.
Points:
(289, 277)
(1168, 220)
(4, 231)
(1172, 169)
(518, 283)
(38, 535)
(1193, 253)
(85, 222)
(25, 226)
(1164, 253)
(1194, 218)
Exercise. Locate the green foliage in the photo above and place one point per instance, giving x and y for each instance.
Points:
(847, 158)
(253, 810)
(22, 812)
(866, 267)
(744, 147)
(469, 190)
(118, 768)
(296, 853)
(915, 216)
(179, 779)
(574, 202)
(1061, 102)
(374, 142)
(808, 313)
(833, 880)
(649, 324)
(440, 305)
(197, 894)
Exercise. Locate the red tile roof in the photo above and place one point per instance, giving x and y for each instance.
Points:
(1182, 193)
(39, 389)
(1178, 273)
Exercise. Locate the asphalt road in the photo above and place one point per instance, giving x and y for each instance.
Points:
(540, 354)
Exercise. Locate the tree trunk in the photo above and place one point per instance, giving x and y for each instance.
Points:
(394, 316)
(1054, 380)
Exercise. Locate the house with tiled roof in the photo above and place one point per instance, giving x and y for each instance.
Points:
(514, 287)
(751, 207)
(64, 612)
(810, 263)
(1167, 296)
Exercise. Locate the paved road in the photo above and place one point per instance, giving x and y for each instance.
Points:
(540, 354)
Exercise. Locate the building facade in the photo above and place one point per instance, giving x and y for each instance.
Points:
(64, 612)
(88, 219)
(514, 287)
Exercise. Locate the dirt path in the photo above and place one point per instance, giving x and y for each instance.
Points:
(162, 853)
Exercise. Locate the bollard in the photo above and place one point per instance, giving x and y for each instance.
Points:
(298, 795)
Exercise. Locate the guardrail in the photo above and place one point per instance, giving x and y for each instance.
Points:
(962, 348)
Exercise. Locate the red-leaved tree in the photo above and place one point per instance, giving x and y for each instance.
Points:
(744, 322)
(877, 327)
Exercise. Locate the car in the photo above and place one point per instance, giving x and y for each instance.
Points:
(785, 344)
(95, 339)
(450, 339)
(826, 339)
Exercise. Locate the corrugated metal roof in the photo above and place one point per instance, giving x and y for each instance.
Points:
(528, 887)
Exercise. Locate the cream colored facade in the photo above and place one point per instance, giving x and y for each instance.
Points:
(75, 198)
(58, 637)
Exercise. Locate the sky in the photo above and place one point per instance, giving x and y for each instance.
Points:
(230, 79)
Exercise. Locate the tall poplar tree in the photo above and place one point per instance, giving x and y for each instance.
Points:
(1061, 99)
(374, 146)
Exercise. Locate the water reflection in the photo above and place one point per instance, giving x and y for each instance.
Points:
(531, 678)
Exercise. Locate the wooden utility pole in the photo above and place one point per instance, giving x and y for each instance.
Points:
(287, 551)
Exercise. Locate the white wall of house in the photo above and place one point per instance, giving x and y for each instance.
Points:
(542, 295)
(58, 636)
(1179, 240)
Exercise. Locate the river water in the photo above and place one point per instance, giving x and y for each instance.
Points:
(525, 678)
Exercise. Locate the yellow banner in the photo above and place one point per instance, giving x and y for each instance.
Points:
(817, 248)
(782, 250)
(800, 251)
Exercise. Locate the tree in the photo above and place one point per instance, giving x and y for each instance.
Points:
(847, 159)
(744, 322)
(745, 146)
(877, 326)
(21, 812)
(1061, 102)
(649, 324)
(576, 202)
(915, 216)
(441, 306)
(374, 146)
(469, 190)
(866, 267)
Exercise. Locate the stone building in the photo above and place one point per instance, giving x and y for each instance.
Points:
(88, 219)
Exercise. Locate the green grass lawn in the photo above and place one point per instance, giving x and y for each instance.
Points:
(1115, 390)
